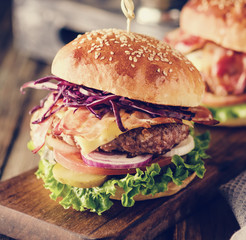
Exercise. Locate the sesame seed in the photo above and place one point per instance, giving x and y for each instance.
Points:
(158, 70)
(164, 73)
(123, 38)
(191, 68)
(133, 65)
(97, 54)
(112, 53)
(135, 59)
(127, 52)
(110, 59)
(102, 58)
(170, 70)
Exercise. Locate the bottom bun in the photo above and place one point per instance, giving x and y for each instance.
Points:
(212, 101)
(233, 122)
(172, 189)
(222, 101)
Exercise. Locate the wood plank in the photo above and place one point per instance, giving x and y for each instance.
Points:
(215, 221)
(20, 198)
(5, 26)
(26, 159)
(15, 70)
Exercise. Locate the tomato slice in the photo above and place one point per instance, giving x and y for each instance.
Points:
(74, 162)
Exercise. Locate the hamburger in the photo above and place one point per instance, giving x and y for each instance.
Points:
(117, 122)
(212, 35)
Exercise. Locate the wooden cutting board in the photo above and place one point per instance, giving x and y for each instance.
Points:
(27, 212)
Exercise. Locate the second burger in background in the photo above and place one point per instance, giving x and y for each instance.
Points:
(212, 35)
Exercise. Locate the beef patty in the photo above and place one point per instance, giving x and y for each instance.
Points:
(155, 140)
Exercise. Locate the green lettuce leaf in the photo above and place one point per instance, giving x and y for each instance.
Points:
(151, 181)
(223, 114)
(96, 199)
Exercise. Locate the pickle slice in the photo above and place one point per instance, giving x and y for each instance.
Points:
(77, 179)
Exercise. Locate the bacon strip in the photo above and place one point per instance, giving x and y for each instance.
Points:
(203, 116)
(223, 70)
(184, 42)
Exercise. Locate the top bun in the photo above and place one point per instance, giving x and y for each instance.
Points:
(220, 21)
(130, 65)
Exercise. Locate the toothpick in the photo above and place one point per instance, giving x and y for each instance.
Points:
(127, 7)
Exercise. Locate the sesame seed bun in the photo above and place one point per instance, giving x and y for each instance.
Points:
(172, 189)
(220, 21)
(130, 65)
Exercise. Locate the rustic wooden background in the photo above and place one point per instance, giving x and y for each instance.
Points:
(214, 221)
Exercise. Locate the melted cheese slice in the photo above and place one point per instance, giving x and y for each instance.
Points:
(109, 133)
(204, 58)
(197, 59)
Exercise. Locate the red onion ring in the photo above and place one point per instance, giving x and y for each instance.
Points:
(116, 161)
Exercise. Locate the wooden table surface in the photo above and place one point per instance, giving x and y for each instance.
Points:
(214, 221)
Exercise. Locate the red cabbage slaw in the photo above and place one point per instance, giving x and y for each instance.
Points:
(98, 102)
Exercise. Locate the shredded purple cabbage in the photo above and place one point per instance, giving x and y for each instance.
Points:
(98, 102)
